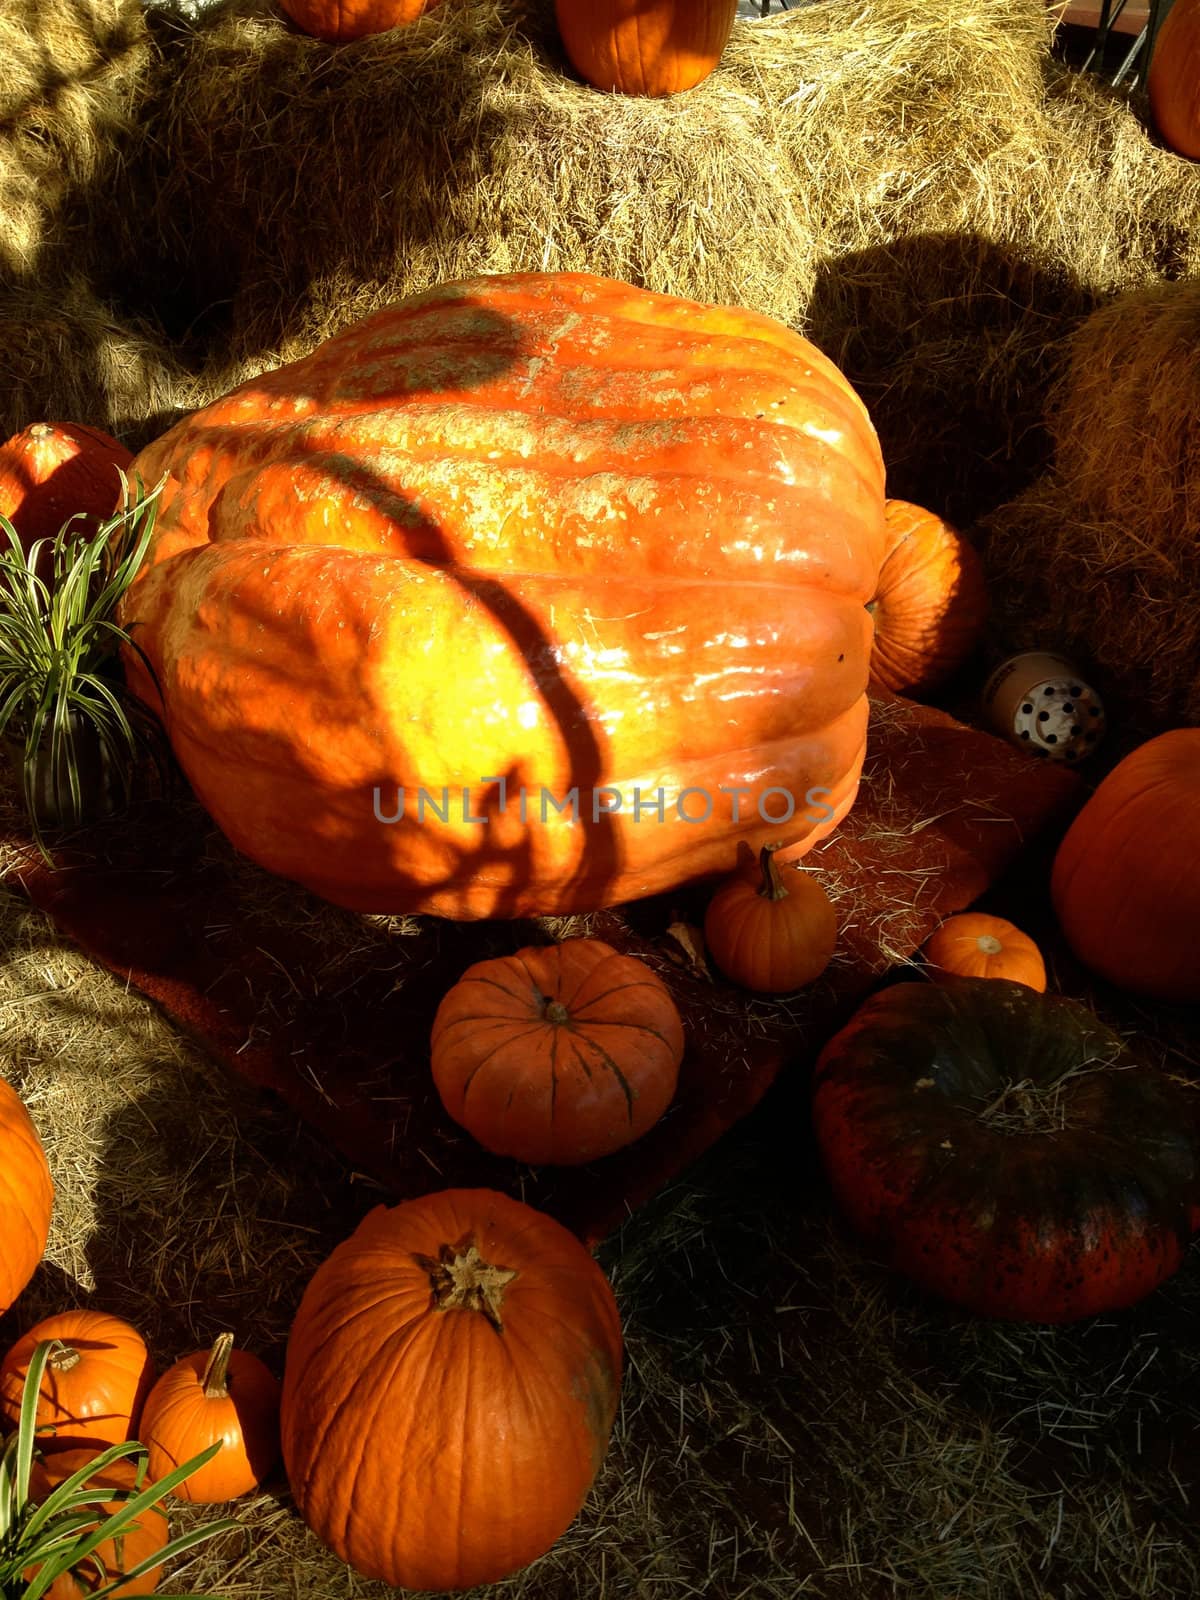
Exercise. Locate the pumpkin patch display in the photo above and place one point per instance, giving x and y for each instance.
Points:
(645, 47)
(224, 1394)
(1003, 1150)
(51, 470)
(451, 1382)
(1126, 878)
(94, 1384)
(143, 1538)
(769, 930)
(559, 1054)
(930, 604)
(527, 594)
(26, 1196)
(339, 21)
(975, 945)
(1173, 81)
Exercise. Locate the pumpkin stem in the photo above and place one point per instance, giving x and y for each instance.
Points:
(989, 944)
(555, 1011)
(63, 1357)
(463, 1281)
(772, 882)
(215, 1381)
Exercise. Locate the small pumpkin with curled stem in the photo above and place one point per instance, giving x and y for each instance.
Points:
(976, 945)
(770, 930)
(219, 1394)
(94, 1385)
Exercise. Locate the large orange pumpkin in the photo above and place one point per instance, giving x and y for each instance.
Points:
(930, 604)
(1173, 81)
(645, 47)
(51, 470)
(452, 1377)
(1126, 880)
(339, 21)
(571, 574)
(26, 1196)
(560, 1053)
(143, 1538)
(94, 1384)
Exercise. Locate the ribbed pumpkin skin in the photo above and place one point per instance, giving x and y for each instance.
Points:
(930, 605)
(1126, 879)
(26, 1196)
(339, 21)
(1174, 79)
(557, 1088)
(179, 1420)
(645, 47)
(1035, 1226)
(117, 1555)
(51, 470)
(92, 1402)
(975, 945)
(425, 1446)
(548, 531)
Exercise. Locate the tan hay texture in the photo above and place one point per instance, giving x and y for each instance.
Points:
(913, 182)
(1101, 558)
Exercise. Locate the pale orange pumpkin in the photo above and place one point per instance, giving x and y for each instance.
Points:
(975, 945)
(645, 47)
(339, 21)
(770, 929)
(559, 1054)
(1126, 879)
(94, 1384)
(1173, 81)
(930, 604)
(26, 1196)
(144, 1537)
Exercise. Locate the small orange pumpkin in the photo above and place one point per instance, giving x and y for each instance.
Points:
(768, 932)
(339, 21)
(930, 603)
(51, 470)
(975, 945)
(144, 1537)
(223, 1394)
(94, 1384)
(559, 1054)
(26, 1196)
(1173, 81)
(645, 47)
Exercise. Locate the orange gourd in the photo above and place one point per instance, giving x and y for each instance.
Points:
(144, 1537)
(1126, 879)
(26, 1196)
(975, 945)
(559, 1054)
(440, 609)
(339, 21)
(771, 930)
(223, 1394)
(452, 1377)
(645, 47)
(51, 470)
(930, 605)
(1173, 80)
(93, 1386)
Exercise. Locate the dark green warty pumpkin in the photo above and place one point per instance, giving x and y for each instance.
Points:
(1004, 1150)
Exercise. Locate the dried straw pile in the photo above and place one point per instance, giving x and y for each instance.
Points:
(913, 182)
(1101, 558)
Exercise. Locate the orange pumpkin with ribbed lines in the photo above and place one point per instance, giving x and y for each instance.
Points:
(558, 1054)
(26, 1196)
(443, 612)
(645, 47)
(340, 21)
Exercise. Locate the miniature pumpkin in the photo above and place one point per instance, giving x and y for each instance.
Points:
(645, 47)
(772, 931)
(223, 1394)
(451, 1381)
(143, 1538)
(559, 1054)
(26, 1196)
(51, 470)
(1001, 1148)
(1126, 879)
(930, 605)
(1173, 80)
(975, 945)
(655, 523)
(338, 21)
(93, 1386)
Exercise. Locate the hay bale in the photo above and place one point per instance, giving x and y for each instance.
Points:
(1101, 558)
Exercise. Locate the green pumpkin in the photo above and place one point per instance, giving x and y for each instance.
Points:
(1004, 1150)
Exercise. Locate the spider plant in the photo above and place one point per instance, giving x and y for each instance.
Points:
(78, 1527)
(72, 730)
